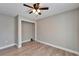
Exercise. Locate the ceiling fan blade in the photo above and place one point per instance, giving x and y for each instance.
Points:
(27, 6)
(45, 8)
(39, 13)
(38, 4)
(30, 12)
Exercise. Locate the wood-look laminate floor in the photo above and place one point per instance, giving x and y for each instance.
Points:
(34, 49)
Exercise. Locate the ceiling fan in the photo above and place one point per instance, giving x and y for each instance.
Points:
(36, 8)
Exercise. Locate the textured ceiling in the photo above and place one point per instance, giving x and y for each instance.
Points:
(13, 9)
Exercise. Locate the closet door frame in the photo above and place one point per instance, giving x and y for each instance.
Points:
(20, 19)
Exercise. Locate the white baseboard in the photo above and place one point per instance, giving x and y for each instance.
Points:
(25, 41)
(7, 46)
(69, 50)
(72, 51)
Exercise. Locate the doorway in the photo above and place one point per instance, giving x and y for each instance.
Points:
(28, 31)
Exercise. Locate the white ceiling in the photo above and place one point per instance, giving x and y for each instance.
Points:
(13, 9)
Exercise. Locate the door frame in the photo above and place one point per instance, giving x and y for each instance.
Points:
(20, 19)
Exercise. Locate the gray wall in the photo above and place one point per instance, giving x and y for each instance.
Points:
(7, 30)
(16, 29)
(28, 31)
(61, 30)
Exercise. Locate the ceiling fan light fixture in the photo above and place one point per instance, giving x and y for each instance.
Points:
(36, 13)
(38, 10)
(34, 10)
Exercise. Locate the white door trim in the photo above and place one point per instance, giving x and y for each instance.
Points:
(20, 19)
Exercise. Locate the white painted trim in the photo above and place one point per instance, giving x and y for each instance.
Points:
(7, 46)
(19, 33)
(20, 19)
(25, 19)
(25, 41)
(28, 21)
(69, 50)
